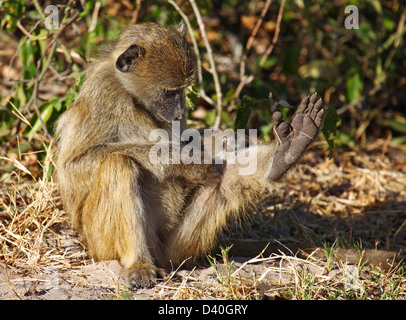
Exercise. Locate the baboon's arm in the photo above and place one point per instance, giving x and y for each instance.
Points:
(163, 167)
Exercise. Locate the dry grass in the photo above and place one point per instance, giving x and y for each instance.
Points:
(282, 276)
(356, 200)
(31, 214)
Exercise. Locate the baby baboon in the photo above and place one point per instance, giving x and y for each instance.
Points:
(152, 214)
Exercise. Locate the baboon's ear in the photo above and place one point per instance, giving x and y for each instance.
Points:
(182, 27)
(129, 58)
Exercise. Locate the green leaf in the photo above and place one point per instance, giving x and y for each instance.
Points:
(68, 101)
(291, 59)
(269, 62)
(266, 131)
(397, 125)
(11, 10)
(377, 6)
(88, 7)
(380, 77)
(388, 24)
(226, 119)
(312, 70)
(192, 96)
(344, 139)
(354, 86)
(79, 82)
(329, 130)
(210, 117)
(21, 148)
(399, 141)
(46, 111)
(366, 32)
(21, 95)
(58, 105)
(27, 54)
(243, 113)
(4, 129)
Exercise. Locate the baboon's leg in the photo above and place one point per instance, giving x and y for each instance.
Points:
(114, 221)
(294, 138)
(231, 193)
(223, 196)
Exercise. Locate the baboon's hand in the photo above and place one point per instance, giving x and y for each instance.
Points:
(294, 138)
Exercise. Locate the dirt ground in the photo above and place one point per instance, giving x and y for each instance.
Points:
(102, 280)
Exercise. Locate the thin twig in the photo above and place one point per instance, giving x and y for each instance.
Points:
(136, 14)
(95, 14)
(275, 35)
(254, 34)
(8, 282)
(202, 92)
(37, 75)
(39, 9)
(253, 260)
(247, 79)
(212, 70)
(29, 35)
(243, 78)
(396, 42)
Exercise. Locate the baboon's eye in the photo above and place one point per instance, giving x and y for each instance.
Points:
(171, 92)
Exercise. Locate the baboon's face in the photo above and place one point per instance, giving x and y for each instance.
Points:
(156, 68)
(172, 105)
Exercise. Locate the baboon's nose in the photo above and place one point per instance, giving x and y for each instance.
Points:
(179, 114)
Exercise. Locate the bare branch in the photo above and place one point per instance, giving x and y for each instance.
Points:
(194, 42)
(212, 70)
(244, 80)
(136, 13)
(247, 79)
(37, 76)
(275, 35)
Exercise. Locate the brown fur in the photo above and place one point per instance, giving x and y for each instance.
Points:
(127, 208)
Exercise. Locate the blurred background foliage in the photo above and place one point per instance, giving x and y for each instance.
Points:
(360, 73)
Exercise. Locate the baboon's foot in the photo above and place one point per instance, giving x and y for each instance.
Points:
(294, 138)
(141, 276)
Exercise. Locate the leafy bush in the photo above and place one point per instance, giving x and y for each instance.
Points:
(358, 72)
